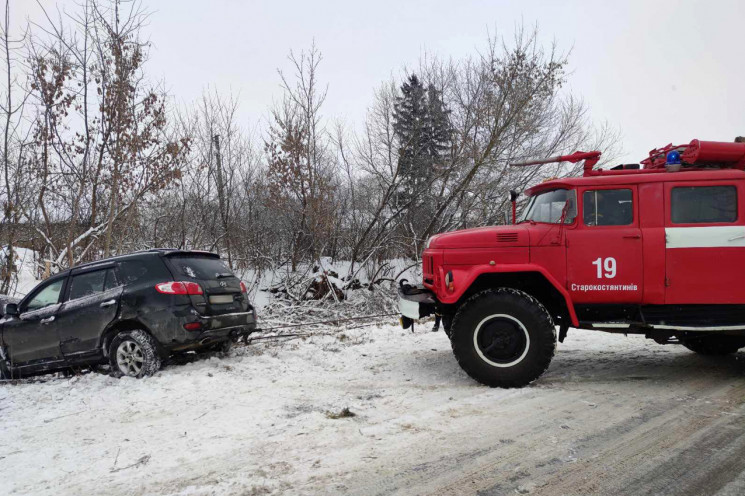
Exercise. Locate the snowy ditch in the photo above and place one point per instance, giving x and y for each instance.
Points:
(270, 418)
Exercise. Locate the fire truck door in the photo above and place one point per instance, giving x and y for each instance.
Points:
(704, 242)
(604, 250)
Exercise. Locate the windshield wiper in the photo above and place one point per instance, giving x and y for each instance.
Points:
(221, 275)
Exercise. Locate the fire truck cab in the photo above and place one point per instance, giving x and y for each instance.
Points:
(655, 249)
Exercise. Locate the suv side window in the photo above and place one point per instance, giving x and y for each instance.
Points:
(608, 207)
(111, 280)
(90, 283)
(48, 295)
(703, 204)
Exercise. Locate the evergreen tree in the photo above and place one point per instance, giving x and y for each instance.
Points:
(438, 129)
(410, 122)
(422, 127)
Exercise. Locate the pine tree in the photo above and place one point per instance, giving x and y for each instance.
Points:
(422, 127)
(438, 128)
(410, 123)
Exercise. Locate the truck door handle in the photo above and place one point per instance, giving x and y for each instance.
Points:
(107, 303)
(632, 236)
(47, 320)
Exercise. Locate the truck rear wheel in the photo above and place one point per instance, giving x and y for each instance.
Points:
(503, 338)
(715, 345)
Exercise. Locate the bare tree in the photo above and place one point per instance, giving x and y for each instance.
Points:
(13, 171)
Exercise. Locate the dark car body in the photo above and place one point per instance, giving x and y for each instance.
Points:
(4, 300)
(70, 318)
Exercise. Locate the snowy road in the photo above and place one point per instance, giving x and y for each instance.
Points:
(613, 414)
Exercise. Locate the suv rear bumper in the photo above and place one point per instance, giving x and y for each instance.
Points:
(173, 336)
(415, 302)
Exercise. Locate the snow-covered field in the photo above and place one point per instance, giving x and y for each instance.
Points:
(613, 414)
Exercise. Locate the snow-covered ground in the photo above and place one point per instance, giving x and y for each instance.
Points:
(613, 414)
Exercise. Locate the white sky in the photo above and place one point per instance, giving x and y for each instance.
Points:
(659, 71)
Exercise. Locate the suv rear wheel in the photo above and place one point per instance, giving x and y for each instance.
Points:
(503, 338)
(133, 353)
(715, 345)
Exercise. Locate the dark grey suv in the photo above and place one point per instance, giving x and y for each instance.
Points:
(131, 311)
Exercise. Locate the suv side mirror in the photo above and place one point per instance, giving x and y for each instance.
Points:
(11, 309)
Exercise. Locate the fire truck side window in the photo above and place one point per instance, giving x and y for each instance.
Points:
(608, 207)
(703, 204)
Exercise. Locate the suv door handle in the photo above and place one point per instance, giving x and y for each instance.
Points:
(47, 320)
(107, 303)
(632, 236)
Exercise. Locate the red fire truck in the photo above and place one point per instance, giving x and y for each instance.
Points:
(656, 248)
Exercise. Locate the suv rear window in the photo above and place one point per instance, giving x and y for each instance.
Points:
(703, 204)
(143, 269)
(198, 267)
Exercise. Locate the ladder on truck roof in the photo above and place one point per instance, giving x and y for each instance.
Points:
(695, 155)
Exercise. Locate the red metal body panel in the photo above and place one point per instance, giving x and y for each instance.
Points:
(652, 224)
(588, 248)
(710, 274)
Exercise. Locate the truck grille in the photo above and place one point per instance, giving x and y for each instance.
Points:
(509, 237)
(428, 265)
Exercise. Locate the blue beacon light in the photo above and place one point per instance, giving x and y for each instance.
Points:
(673, 157)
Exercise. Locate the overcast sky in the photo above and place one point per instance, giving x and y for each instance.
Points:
(659, 71)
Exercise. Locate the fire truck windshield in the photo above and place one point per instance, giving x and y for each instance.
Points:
(548, 207)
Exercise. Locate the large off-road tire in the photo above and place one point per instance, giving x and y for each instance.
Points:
(134, 353)
(715, 345)
(503, 338)
(447, 324)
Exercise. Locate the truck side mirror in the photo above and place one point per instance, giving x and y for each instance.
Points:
(11, 309)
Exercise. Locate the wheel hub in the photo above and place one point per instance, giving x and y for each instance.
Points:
(501, 340)
(129, 358)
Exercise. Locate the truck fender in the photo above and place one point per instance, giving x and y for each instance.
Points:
(480, 270)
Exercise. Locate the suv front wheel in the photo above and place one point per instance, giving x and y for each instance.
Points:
(503, 338)
(133, 353)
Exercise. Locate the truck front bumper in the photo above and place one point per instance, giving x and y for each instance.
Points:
(415, 302)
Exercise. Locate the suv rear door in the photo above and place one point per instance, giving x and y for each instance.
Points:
(222, 289)
(91, 303)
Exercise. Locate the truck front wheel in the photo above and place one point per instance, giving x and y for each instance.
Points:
(503, 338)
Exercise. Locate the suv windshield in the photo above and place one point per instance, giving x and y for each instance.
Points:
(199, 267)
(548, 206)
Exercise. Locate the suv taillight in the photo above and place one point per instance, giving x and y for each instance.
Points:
(244, 289)
(179, 288)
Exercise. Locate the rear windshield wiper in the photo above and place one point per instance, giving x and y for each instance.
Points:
(221, 275)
